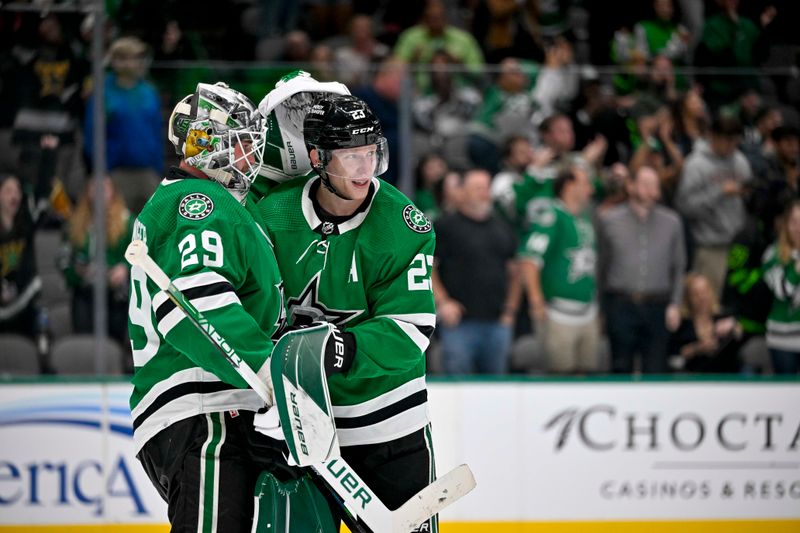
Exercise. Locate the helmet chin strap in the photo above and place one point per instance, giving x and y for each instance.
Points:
(326, 181)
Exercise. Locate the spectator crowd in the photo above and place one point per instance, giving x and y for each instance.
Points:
(613, 190)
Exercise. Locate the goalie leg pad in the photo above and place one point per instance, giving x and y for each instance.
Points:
(294, 505)
(298, 376)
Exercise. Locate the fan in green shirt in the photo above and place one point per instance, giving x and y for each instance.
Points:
(419, 43)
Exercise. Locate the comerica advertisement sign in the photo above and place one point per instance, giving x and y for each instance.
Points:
(547, 456)
(67, 457)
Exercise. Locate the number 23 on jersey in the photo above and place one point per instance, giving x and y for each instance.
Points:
(419, 275)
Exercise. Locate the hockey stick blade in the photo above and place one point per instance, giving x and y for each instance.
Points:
(433, 498)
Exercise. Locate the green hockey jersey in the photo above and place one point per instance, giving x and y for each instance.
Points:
(783, 323)
(369, 274)
(563, 246)
(519, 197)
(213, 250)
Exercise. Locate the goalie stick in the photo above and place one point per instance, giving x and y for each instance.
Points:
(359, 500)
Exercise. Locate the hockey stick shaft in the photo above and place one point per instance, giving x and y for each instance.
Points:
(355, 495)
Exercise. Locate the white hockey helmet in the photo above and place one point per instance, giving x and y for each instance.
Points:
(282, 111)
(207, 126)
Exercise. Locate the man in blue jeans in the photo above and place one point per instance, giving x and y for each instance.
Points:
(641, 270)
(474, 282)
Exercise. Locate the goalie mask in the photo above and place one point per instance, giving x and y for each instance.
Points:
(344, 129)
(214, 131)
(283, 111)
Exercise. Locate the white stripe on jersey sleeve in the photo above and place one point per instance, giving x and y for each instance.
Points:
(392, 428)
(413, 333)
(207, 303)
(189, 282)
(198, 280)
(158, 299)
(418, 319)
(379, 402)
(183, 376)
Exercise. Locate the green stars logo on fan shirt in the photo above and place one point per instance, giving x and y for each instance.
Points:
(196, 206)
(416, 219)
(563, 244)
(583, 260)
(582, 263)
(539, 212)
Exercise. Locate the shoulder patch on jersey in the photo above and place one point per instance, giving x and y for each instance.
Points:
(540, 211)
(416, 219)
(195, 206)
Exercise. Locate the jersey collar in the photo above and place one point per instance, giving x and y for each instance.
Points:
(339, 225)
(175, 174)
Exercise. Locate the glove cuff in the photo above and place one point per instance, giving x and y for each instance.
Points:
(340, 351)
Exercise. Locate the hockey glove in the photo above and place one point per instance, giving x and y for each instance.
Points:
(340, 350)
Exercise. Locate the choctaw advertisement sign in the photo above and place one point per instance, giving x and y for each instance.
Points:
(624, 451)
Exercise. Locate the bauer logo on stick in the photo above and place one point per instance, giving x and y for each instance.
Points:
(416, 219)
(196, 206)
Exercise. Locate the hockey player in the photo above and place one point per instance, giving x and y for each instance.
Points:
(355, 252)
(192, 413)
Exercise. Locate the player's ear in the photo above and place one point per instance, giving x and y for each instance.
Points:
(314, 156)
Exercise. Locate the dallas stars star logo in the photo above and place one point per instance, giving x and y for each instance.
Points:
(308, 307)
(195, 206)
(582, 263)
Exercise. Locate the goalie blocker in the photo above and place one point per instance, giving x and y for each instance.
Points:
(301, 393)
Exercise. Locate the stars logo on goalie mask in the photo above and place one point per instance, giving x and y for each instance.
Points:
(307, 307)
